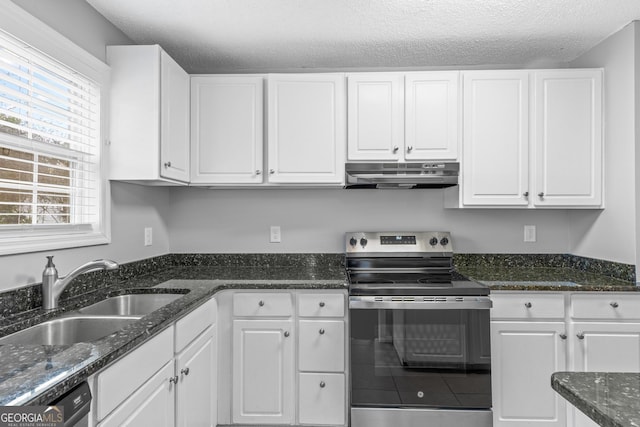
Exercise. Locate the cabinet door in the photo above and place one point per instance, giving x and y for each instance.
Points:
(174, 120)
(431, 116)
(375, 116)
(495, 138)
(322, 399)
(568, 138)
(307, 128)
(603, 347)
(524, 355)
(196, 397)
(226, 129)
(263, 371)
(151, 405)
(321, 345)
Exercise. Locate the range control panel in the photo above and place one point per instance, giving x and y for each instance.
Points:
(360, 242)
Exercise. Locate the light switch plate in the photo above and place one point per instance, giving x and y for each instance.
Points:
(529, 233)
(148, 236)
(275, 235)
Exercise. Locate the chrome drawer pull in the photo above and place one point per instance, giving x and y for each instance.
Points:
(322, 384)
(527, 304)
(261, 303)
(321, 331)
(614, 304)
(321, 304)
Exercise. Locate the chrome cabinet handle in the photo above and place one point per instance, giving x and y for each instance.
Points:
(525, 194)
(261, 303)
(184, 371)
(541, 194)
(395, 149)
(321, 331)
(580, 335)
(614, 304)
(322, 384)
(173, 380)
(527, 304)
(258, 171)
(167, 165)
(563, 336)
(286, 334)
(272, 171)
(409, 148)
(321, 304)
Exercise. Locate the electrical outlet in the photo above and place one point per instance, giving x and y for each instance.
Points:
(529, 233)
(275, 236)
(148, 236)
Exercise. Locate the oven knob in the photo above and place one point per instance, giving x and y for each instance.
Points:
(444, 241)
(433, 241)
(363, 242)
(353, 241)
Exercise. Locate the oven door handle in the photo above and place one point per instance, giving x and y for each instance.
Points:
(420, 303)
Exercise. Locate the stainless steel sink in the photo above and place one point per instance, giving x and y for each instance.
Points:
(131, 304)
(69, 330)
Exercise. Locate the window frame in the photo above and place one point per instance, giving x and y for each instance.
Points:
(28, 238)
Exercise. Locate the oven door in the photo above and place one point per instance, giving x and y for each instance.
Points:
(420, 357)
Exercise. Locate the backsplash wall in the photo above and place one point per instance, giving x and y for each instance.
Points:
(315, 220)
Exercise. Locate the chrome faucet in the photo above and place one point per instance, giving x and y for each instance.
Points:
(52, 286)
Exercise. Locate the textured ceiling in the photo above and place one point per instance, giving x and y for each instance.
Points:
(208, 36)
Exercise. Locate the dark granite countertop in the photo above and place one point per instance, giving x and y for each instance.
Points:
(610, 399)
(37, 375)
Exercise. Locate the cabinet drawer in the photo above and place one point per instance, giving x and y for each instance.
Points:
(190, 326)
(119, 380)
(262, 304)
(321, 345)
(527, 306)
(321, 305)
(322, 399)
(606, 305)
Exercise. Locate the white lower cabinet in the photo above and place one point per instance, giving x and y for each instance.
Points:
(524, 355)
(288, 358)
(321, 398)
(168, 381)
(263, 367)
(151, 405)
(532, 336)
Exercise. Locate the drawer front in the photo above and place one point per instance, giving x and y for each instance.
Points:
(606, 305)
(321, 345)
(120, 380)
(527, 306)
(322, 399)
(192, 325)
(321, 305)
(263, 304)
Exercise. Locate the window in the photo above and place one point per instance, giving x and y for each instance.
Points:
(51, 188)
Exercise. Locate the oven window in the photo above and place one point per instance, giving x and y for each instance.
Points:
(420, 358)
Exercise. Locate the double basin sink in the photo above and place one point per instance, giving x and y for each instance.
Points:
(93, 322)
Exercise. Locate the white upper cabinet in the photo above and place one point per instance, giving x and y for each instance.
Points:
(567, 136)
(403, 116)
(532, 139)
(496, 138)
(149, 116)
(376, 116)
(227, 129)
(431, 115)
(306, 128)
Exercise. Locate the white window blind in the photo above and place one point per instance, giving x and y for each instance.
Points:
(49, 142)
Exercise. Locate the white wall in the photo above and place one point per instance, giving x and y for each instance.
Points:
(132, 207)
(77, 21)
(611, 233)
(315, 220)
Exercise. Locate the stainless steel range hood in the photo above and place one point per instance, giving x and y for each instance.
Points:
(402, 175)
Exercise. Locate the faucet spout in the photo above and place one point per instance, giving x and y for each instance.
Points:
(52, 285)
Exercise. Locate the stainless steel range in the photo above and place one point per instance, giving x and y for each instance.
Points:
(420, 345)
